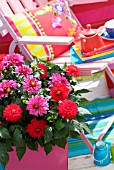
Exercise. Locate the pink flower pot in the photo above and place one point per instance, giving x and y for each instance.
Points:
(32, 160)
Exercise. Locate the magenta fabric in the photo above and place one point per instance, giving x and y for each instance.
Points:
(33, 160)
(96, 13)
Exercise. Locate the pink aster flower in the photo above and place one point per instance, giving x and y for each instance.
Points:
(31, 85)
(13, 60)
(37, 106)
(57, 79)
(24, 70)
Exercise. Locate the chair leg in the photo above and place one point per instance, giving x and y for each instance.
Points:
(87, 142)
(12, 47)
(22, 48)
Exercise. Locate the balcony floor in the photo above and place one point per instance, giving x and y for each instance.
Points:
(85, 162)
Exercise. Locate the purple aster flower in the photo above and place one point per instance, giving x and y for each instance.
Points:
(13, 60)
(31, 85)
(57, 79)
(37, 106)
(24, 70)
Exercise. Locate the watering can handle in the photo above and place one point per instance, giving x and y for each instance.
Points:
(101, 161)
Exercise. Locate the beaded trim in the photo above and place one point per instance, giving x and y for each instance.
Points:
(42, 32)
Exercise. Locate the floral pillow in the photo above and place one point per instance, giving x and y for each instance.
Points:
(53, 19)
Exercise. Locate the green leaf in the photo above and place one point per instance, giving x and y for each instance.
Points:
(82, 91)
(48, 148)
(48, 134)
(83, 111)
(83, 101)
(12, 128)
(8, 144)
(4, 133)
(61, 142)
(59, 125)
(86, 127)
(20, 152)
(33, 145)
(75, 126)
(26, 62)
(60, 134)
(74, 134)
(17, 138)
(36, 75)
(4, 157)
(40, 141)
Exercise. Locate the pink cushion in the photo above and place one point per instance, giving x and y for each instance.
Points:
(50, 23)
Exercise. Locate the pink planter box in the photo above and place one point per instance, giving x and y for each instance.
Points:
(32, 160)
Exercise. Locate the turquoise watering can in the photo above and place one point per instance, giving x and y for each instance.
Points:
(1, 167)
(101, 154)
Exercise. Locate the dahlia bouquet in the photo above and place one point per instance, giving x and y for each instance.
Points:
(39, 105)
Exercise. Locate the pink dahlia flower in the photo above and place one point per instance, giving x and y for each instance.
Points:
(13, 60)
(57, 79)
(24, 70)
(31, 85)
(37, 106)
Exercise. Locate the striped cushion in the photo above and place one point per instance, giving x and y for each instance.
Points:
(23, 25)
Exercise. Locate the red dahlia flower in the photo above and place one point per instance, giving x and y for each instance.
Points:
(59, 92)
(44, 68)
(68, 109)
(12, 112)
(72, 70)
(36, 128)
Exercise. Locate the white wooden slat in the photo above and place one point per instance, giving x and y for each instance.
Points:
(57, 40)
(29, 4)
(4, 8)
(16, 6)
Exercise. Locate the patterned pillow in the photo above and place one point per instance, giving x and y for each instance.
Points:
(53, 19)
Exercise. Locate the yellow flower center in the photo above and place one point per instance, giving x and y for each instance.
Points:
(33, 83)
(58, 92)
(36, 106)
(8, 90)
(13, 111)
(37, 130)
